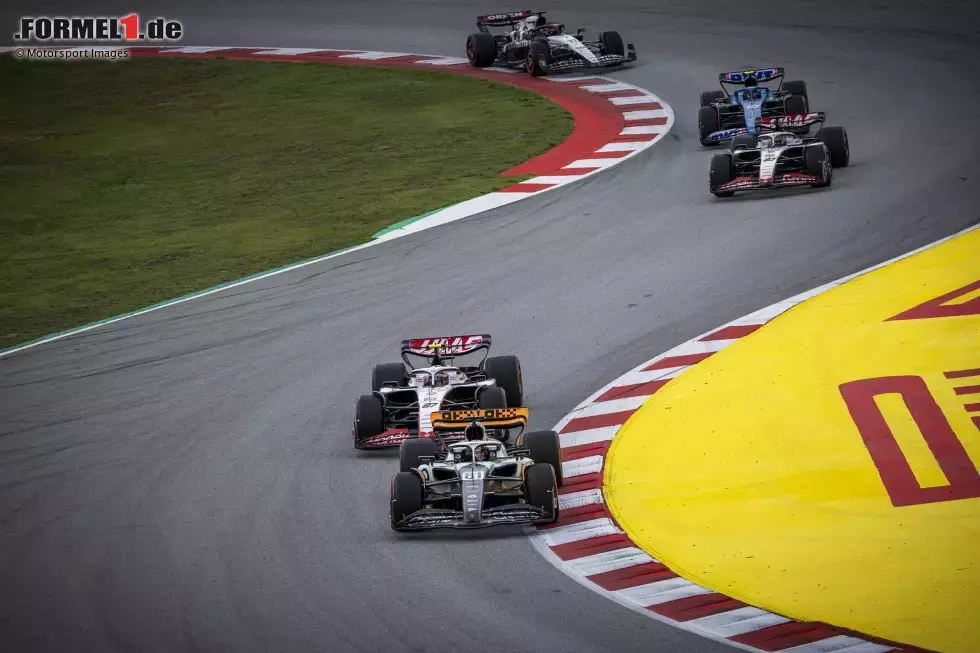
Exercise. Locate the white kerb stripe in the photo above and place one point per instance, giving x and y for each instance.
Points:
(589, 436)
(581, 531)
(611, 406)
(557, 180)
(641, 129)
(375, 56)
(840, 644)
(635, 378)
(578, 78)
(662, 592)
(609, 561)
(289, 52)
(579, 499)
(444, 61)
(633, 99)
(582, 466)
(592, 163)
(609, 87)
(624, 147)
(737, 622)
(646, 114)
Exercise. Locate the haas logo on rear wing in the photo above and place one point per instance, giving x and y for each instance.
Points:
(446, 345)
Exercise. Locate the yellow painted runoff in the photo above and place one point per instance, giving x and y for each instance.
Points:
(825, 466)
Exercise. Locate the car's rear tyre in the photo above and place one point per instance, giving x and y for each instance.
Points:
(612, 43)
(797, 87)
(708, 123)
(506, 371)
(410, 451)
(538, 58)
(795, 105)
(387, 373)
(481, 49)
(369, 417)
(721, 172)
(491, 397)
(710, 97)
(541, 488)
(544, 447)
(406, 496)
(835, 138)
(744, 142)
(813, 164)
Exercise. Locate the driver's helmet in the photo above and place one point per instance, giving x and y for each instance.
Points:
(779, 140)
(440, 378)
(485, 454)
(532, 22)
(751, 81)
(475, 431)
(756, 93)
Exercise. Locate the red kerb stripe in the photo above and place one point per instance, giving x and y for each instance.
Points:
(607, 155)
(784, 636)
(648, 106)
(646, 121)
(577, 515)
(967, 389)
(597, 421)
(695, 607)
(584, 450)
(732, 332)
(618, 579)
(677, 361)
(636, 390)
(591, 546)
(634, 138)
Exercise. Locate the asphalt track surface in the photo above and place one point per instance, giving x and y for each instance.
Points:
(185, 480)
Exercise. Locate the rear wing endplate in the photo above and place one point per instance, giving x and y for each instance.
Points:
(493, 418)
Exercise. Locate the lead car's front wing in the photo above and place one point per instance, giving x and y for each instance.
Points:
(431, 518)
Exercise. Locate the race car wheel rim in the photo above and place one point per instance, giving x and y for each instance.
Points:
(471, 50)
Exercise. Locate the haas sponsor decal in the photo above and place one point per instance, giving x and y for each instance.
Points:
(447, 345)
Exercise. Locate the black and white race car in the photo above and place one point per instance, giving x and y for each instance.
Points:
(779, 159)
(404, 394)
(477, 481)
(540, 47)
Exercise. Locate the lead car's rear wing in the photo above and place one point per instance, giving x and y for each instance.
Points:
(445, 347)
(505, 19)
(760, 75)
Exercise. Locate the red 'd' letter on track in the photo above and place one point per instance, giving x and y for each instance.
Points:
(893, 467)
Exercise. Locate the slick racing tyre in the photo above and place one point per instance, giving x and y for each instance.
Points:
(710, 97)
(541, 488)
(406, 496)
(410, 451)
(538, 58)
(721, 172)
(835, 138)
(506, 371)
(797, 88)
(814, 160)
(369, 418)
(544, 447)
(491, 397)
(795, 105)
(387, 373)
(612, 43)
(744, 142)
(708, 123)
(481, 49)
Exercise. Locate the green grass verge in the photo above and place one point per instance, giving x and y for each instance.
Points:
(128, 183)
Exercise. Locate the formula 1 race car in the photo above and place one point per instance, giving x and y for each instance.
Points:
(404, 395)
(724, 114)
(477, 482)
(779, 159)
(540, 47)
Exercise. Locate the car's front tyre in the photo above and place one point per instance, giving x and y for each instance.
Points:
(538, 59)
(407, 496)
(541, 489)
(369, 418)
(722, 171)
